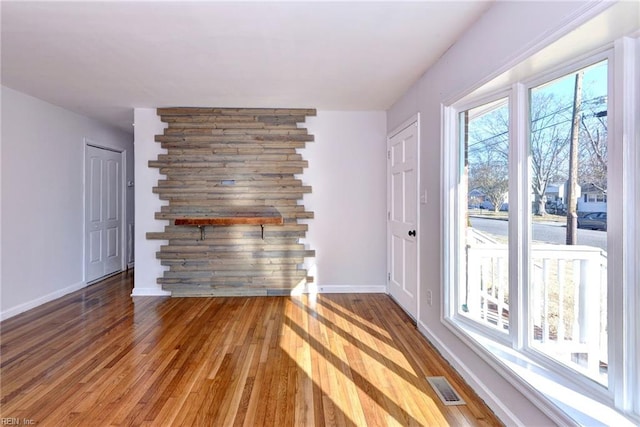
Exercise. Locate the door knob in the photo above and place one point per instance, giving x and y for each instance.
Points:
(412, 233)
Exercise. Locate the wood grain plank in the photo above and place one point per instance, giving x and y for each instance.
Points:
(215, 111)
(234, 129)
(235, 138)
(99, 357)
(222, 167)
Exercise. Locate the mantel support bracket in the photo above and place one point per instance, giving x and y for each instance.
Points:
(201, 223)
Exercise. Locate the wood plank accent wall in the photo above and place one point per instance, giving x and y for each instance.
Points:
(223, 164)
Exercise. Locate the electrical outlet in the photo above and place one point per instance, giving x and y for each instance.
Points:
(429, 297)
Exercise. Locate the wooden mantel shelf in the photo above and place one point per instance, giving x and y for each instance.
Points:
(230, 220)
(261, 219)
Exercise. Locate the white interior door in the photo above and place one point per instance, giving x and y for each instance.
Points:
(403, 217)
(103, 213)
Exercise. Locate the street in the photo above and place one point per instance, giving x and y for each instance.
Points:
(548, 232)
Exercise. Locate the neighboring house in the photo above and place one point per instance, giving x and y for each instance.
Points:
(556, 193)
(476, 198)
(590, 197)
(593, 199)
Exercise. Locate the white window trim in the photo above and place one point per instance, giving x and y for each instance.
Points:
(519, 191)
(544, 385)
(460, 200)
(626, 129)
(567, 68)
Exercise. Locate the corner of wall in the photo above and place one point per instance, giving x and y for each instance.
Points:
(147, 125)
(35, 136)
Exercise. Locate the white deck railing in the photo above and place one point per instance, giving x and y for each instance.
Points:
(567, 294)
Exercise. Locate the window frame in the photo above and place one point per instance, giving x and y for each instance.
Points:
(569, 67)
(451, 310)
(623, 304)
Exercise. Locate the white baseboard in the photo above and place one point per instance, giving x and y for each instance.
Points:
(138, 292)
(21, 308)
(301, 289)
(486, 393)
(561, 402)
(351, 289)
(149, 292)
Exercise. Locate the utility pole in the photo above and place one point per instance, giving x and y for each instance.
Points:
(572, 199)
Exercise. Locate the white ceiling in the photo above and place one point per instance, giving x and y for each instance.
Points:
(102, 59)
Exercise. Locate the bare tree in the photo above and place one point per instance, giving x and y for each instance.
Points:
(548, 144)
(551, 122)
(488, 154)
(492, 178)
(593, 147)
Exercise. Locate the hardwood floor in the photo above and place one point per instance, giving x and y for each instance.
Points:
(97, 357)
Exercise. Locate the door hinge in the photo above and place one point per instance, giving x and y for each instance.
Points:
(389, 276)
(389, 215)
(388, 154)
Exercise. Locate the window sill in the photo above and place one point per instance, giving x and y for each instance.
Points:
(546, 389)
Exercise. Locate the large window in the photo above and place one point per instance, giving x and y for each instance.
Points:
(568, 250)
(565, 286)
(533, 262)
(483, 291)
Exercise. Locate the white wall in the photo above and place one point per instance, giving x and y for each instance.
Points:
(507, 32)
(347, 170)
(148, 268)
(42, 168)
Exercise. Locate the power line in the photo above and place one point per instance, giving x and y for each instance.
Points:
(595, 100)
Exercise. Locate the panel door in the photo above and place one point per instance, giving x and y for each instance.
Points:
(103, 246)
(403, 218)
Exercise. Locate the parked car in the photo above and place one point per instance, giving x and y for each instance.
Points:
(593, 221)
(556, 208)
(489, 206)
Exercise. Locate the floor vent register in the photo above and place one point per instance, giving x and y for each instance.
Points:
(445, 392)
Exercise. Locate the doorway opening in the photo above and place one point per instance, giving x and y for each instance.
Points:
(104, 219)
